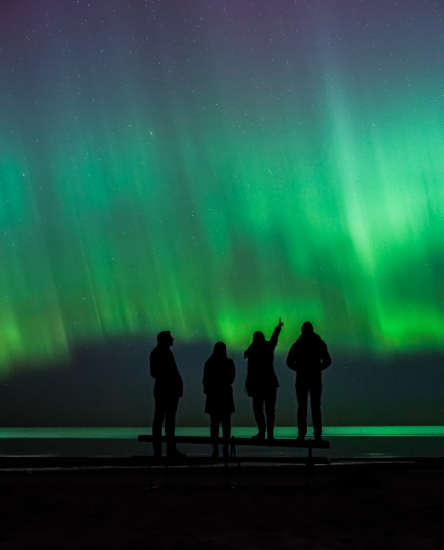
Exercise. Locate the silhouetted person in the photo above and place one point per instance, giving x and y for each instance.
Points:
(262, 382)
(168, 388)
(219, 373)
(309, 356)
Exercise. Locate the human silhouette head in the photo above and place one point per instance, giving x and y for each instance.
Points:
(165, 339)
(307, 329)
(220, 349)
(258, 338)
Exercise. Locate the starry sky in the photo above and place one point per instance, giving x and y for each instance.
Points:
(208, 166)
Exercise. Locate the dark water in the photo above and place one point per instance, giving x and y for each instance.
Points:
(346, 442)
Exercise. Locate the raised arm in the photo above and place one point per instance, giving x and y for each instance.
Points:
(275, 336)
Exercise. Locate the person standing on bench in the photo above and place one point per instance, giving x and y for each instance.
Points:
(219, 373)
(168, 388)
(309, 356)
(262, 382)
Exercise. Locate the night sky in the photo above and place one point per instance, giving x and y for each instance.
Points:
(207, 166)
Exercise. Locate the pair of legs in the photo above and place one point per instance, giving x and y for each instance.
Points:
(215, 421)
(264, 405)
(303, 388)
(165, 411)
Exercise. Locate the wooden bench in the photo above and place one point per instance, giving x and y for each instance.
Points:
(234, 442)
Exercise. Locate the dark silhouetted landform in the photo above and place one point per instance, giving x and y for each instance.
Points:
(108, 384)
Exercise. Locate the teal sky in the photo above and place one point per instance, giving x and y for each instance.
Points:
(207, 167)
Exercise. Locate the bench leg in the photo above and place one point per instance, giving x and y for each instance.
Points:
(309, 471)
(233, 451)
(310, 457)
(232, 456)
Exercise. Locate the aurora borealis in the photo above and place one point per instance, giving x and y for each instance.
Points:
(208, 166)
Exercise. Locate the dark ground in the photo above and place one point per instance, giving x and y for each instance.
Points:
(340, 506)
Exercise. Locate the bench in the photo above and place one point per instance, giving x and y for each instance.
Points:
(234, 442)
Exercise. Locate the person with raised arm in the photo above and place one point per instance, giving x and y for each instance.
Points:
(262, 382)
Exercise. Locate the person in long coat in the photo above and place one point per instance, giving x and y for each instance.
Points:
(309, 356)
(168, 389)
(219, 374)
(262, 382)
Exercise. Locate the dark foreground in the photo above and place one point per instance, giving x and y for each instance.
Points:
(340, 506)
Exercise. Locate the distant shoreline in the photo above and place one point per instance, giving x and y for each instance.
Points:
(130, 432)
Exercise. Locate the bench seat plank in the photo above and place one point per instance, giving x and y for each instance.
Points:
(278, 442)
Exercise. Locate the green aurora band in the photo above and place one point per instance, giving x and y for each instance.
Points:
(212, 189)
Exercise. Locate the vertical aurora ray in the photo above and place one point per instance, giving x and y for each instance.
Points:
(211, 166)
